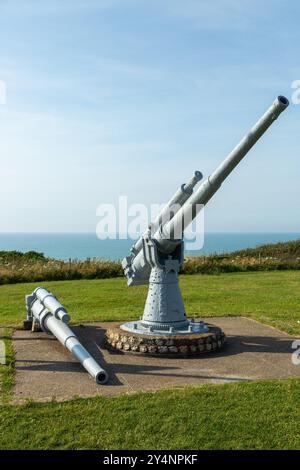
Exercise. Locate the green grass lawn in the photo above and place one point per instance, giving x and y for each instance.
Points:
(261, 415)
(271, 297)
(258, 415)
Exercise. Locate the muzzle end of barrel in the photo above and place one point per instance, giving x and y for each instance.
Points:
(282, 102)
(102, 377)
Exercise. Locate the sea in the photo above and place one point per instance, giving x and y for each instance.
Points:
(66, 246)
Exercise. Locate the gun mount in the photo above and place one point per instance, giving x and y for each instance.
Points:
(158, 255)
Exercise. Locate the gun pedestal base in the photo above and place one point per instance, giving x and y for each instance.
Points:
(176, 345)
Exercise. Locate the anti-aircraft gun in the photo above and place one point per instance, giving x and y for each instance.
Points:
(158, 255)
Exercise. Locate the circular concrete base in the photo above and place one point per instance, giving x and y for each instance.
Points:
(188, 345)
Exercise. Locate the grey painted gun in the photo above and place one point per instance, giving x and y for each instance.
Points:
(157, 256)
(44, 309)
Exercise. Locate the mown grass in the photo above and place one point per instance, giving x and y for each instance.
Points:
(6, 369)
(261, 415)
(257, 415)
(270, 297)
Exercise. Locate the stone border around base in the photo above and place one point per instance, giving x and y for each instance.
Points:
(187, 345)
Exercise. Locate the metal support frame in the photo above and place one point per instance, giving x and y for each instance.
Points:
(164, 311)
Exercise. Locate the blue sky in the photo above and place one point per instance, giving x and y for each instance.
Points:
(129, 97)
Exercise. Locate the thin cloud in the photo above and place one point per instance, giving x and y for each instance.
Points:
(36, 7)
(219, 14)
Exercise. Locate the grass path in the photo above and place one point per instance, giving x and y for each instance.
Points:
(271, 297)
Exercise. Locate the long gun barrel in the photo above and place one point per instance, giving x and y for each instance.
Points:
(168, 236)
(49, 320)
(208, 188)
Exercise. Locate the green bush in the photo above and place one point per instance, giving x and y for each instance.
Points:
(35, 267)
(18, 256)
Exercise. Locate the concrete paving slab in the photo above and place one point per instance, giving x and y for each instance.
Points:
(46, 371)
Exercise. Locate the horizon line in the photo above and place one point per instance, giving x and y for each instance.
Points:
(122, 234)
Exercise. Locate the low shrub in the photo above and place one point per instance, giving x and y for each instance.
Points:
(31, 266)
